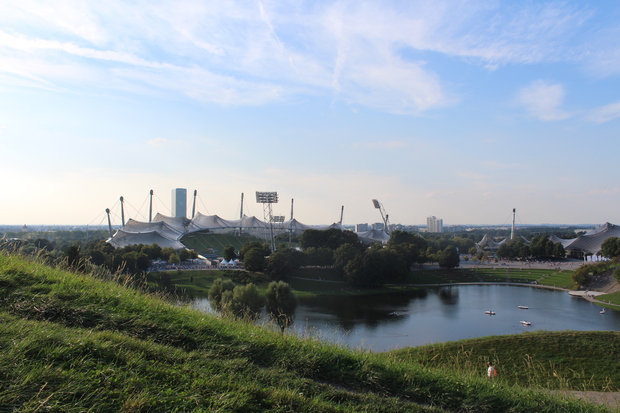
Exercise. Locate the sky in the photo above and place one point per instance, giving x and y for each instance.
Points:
(457, 109)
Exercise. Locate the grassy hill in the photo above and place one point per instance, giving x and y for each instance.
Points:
(585, 360)
(72, 343)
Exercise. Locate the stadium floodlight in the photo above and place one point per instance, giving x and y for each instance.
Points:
(266, 197)
(278, 218)
(384, 215)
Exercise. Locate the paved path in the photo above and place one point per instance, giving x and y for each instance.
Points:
(608, 399)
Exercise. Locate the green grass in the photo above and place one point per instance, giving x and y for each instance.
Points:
(613, 298)
(74, 343)
(554, 360)
(207, 243)
(210, 243)
(549, 277)
(196, 283)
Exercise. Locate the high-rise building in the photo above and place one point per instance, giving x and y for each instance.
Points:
(361, 227)
(179, 202)
(434, 224)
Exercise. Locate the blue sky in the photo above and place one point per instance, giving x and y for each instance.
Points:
(458, 109)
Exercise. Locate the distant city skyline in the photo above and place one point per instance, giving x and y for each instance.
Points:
(458, 109)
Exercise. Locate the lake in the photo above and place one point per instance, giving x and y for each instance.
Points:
(443, 314)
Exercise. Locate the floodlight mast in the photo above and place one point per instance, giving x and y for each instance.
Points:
(268, 198)
(384, 215)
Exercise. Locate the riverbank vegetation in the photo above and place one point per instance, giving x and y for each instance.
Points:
(328, 281)
(72, 342)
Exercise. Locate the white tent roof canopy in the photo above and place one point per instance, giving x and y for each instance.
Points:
(168, 231)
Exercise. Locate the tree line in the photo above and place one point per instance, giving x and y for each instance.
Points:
(359, 264)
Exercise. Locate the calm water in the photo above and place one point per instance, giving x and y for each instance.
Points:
(444, 314)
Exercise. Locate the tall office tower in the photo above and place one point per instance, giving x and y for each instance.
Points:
(378, 225)
(361, 227)
(179, 202)
(434, 224)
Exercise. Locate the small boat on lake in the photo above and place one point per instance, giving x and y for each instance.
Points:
(490, 312)
(526, 323)
(523, 307)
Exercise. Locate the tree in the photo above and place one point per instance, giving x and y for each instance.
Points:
(448, 258)
(97, 257)
(166, 253)
(558, 250)
(173, 258)
(184, 255)
(343, 254)
(254, 245)
(73, 255)
(279, 266)
(44, 244)
(254, 259)
(218, 287)
(229, 253)
(611, 247)
(243, 302)
(395, 265)
(320, 256)
(541, 246)
(153, 251)
(331, 238)
(513, 248)
(281, 303)
(363, 270)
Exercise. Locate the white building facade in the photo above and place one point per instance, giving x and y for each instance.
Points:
(434, 224)
(179, 202)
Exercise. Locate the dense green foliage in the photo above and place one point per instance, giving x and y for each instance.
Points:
(133, 259)
(611, 247)
(448, 258)
(281, 303)
(73, 343)
(331, 238)
(540, 247)
(583, 274)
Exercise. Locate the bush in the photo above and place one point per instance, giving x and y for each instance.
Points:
(281, 303)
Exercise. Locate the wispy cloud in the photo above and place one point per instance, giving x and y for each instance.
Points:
(542, 100)
(605, 191)
(158, 142)
(605, 113)
(240, 53)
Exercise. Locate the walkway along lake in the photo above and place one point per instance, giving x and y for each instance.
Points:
(440, 314)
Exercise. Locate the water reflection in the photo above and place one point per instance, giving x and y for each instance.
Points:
(449, 295)
(446, 314)
(380, 323)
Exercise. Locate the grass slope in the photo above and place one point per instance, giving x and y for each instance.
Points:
(72, 343)
(549, 277)
(585, 360)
